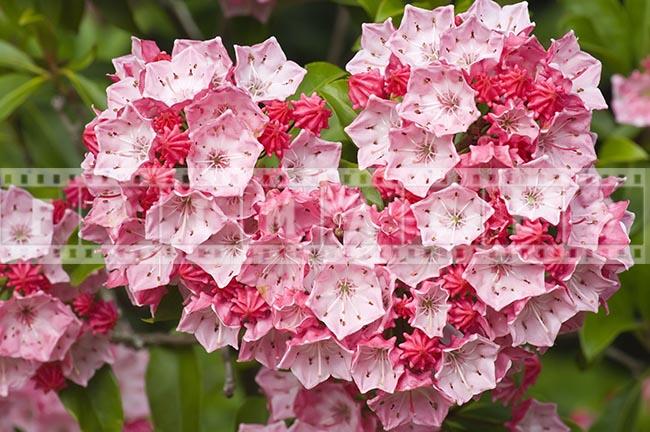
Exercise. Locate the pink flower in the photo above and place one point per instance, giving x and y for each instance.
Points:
(419, 352)
(264, 71)
(375, 365)
(500, 276)
(315, 356)
(275, 138)
(49, 377)
(27, 226)
(397, 77)
(346, 298)
(279, 111)
(511, 19)
(87, 355)
(363, 85)
(200, 319)
(451, 217)
(369, 131)
(374, 54)
(36, 327)
(179, 80)
(448, 110)
(631, 98)
(397, 225)
(103, 317)
(310, 160)
(328, 407)
(567, 141)
(467, 368)
(537, 320)
(417, 41)
(26, 278)
(429, 306)
(580, 68)
(537, 190)
(223, 156)
(413, 405)
(184, 220)
(533, 414)
(418, 159)
(124, 144)
(311, 113)
(172, 146)
(470, 43)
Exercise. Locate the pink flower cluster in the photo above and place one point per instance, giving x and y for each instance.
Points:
(30, 409)
(631, 96)
(50, 332)
(497, 233)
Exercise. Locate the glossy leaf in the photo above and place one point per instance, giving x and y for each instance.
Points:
(18, 89)
(618, 149)
(173, 384)
(89, 92)
(97, 407)
(389, 8)
(600, 330)
(639, 12)
(318, 75)
(253, 410)
(13, 58)
(336, 94)
(622, 412)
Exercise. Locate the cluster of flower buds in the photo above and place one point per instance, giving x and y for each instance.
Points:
(50, 331)
(497, 233)
(631, 96)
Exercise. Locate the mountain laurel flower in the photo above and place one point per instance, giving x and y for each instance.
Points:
(478, 228)
(310, 113)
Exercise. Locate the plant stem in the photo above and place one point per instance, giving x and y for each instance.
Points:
(229, 383)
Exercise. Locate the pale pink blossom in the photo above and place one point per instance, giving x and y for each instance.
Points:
(439, 100)
(264, 71)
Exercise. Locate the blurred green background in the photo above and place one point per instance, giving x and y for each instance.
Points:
(54, 58)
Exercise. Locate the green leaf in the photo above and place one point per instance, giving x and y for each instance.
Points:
(622, 412)
(13, 154)
(173, 383)
(97, 407)
(318, 75)
(352, 176)
(336, 95)
(618, 149)
(218, 412)
(610, 30)
(19, 88)
(462, 5)
(84, 60)
(600, 330)
(482, 415)
(13, 58)
(89, 92)
(639, 13)
(42, 128)
(389, 8)
(81, 272)
(370, 6)
(169, 308)
(253, 410)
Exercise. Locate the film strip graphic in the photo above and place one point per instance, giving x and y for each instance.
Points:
(43, 183)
